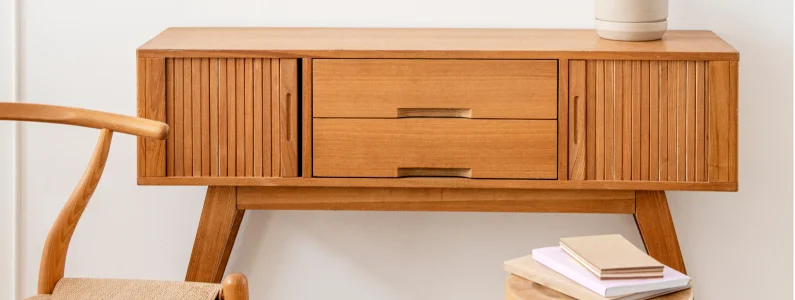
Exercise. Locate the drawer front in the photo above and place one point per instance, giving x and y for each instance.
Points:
(525, 149)
(392, 88)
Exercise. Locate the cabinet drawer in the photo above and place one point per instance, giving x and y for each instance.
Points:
(392, 88)
(435, 147)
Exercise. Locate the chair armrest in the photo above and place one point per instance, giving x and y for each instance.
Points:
(83, 117)
(234, 287)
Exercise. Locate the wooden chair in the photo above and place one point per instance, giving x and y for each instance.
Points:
(51, 283)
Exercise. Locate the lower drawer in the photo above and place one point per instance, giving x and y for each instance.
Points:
(515, 149)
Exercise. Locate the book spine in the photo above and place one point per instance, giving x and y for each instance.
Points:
(573, 275)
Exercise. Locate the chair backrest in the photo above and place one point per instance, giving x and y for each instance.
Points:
(53, 259)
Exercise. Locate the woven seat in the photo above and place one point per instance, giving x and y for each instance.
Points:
(122, 289)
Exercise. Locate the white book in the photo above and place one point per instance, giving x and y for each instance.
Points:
(556, 259)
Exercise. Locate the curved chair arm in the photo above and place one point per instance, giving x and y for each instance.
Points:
(83, 117)
(53, 258)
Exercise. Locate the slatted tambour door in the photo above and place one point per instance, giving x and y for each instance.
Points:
(653, 121)
(233, 117)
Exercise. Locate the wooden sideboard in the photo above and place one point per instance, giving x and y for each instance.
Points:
(517, 120)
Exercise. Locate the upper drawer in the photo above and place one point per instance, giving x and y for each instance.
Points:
(392, 88)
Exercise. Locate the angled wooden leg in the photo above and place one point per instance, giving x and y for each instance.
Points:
(218, 226)
(657, 228)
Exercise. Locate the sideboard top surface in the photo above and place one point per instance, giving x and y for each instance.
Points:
(429, 43)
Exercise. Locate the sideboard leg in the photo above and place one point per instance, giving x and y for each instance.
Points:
(218, 226)
(657, 228)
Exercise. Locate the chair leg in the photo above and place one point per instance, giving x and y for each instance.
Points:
(235, 287)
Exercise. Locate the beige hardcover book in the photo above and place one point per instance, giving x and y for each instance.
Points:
(611, 257)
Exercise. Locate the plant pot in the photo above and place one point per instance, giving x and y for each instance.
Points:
(631, 20)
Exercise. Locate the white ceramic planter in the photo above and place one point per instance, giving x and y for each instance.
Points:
(631, 20)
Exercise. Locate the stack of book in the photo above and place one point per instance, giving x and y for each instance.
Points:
(598, 268)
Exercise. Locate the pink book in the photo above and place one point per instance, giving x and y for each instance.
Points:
(557, 259)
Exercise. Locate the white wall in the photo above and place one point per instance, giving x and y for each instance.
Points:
(7, 146)
(81, 53)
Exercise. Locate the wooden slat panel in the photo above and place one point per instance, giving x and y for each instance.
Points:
(590, 118)
(249, 116)
(140, 107)
(155, 110)
(577, 120)
(288, 125)
(516, 89)
(636, 122)
(240, 117)
(179, 116)
(223, 118)
(563, 119)
(609, 120)
(187, 94)
(231, 96)
(257, 122)
(489, 148)
(664, 159)
(618, 120)
(700, 158)
(627, 122)
(170, 116)
(720, 98)
(306, 100)
(205, 115)
(673, 155)
(276, 144)
(436, 199)
(644, 133)
(267, 116)
(600, 120)
(654, 120)
(681, 126)
(691, 122)
(196, 96)
(214, 128)
(734, 83)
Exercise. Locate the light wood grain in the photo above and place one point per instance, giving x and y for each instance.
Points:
(430, 43)
(223, 119)
(701, 137)
(216, 227)
(664, 159)
(258, 102)
(690, 124)
(234, 287)
(276, 140)
(205, 116)
(618, 120)
(288, 117)
(626, 173)
(196, 105)
(435, 199)
(673, 121)
(636, 121)
(53, 258)
(577, 119)
(590, 120)
(179, 113)
(140, 111)
(187, 105)
(240, 117)
(490, 148)
(83, 117)
(654, 120)
(170, 116)
(515, 89)
(645, 133)
(681, 118)
(231, 119)
(600, 134)
(446, 183)
(155, 110)
(267, 117)
(248, 132)
(306, 126)
(733, 113)
(610, 171)
(214, 127)
(563, 120)
(657, 229)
